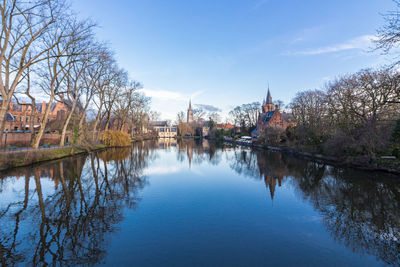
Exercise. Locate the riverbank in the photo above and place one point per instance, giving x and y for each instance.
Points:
(28, 157)
(387, 165)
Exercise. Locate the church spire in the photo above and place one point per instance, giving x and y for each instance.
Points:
(269, 98)
(190, 112)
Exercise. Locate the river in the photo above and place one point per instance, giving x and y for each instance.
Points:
(169, 203)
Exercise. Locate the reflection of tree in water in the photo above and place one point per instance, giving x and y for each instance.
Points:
(360, 210)
(68, 225)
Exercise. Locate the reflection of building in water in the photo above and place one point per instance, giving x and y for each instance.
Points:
(270, 182)
(273, 171)
(166, 142)
(190, 154)
(195, 151)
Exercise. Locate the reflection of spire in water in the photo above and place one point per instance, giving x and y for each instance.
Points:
(270, 182)
(190, 154)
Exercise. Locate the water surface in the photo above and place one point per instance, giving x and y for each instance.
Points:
(191, 203)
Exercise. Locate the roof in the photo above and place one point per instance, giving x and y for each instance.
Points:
(225, 126)
(267, 116)
(9, 117)
(288, 116)
(159, 123)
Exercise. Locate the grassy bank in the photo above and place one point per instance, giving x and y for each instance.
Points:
(25, 158)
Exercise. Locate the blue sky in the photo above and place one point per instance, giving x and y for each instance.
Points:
(225, 52)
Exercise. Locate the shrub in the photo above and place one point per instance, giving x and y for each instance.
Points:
(272, 136)
(115, 138)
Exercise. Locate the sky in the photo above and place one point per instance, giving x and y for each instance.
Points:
(224, 53)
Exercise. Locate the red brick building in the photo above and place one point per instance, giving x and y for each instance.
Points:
(18, 116)
(225, 126)
(270, 116)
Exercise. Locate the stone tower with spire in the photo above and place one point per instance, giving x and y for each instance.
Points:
(267, 104)
(270, 116)
(190, 113)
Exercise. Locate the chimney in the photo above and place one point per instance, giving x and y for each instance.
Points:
(276, 107)
(43, 107)
(23, 108)
(10, 106)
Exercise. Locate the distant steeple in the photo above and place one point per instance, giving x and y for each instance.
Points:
(190, 112)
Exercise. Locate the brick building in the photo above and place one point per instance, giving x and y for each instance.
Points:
(270, 116)
(18, 116)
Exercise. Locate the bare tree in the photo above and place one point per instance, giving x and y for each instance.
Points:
(198, 114)
(24, 26)
(389, 34)
(102, 86)
(246, 115)
(93, 78)
(112, 93)
(180, 117)
(58, 59)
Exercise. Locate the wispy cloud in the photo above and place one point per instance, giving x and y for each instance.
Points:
(260, 3)
(306, 34)
(363, 42)
(209, 108)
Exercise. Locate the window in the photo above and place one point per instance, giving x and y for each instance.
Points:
(20, 118)
(38, 120)
(26, 119)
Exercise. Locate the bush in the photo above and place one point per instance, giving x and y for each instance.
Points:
(272, 136)
(115, 138)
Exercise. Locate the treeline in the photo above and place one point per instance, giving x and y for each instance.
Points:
(353, 116)
(356, 116)
(46, 50)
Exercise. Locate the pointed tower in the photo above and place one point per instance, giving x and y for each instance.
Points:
(270, 105)
(190, 113)
(267, 103)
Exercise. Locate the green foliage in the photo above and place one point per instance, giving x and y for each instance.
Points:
(115, 138)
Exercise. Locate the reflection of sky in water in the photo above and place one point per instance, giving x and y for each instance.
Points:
(191, 204)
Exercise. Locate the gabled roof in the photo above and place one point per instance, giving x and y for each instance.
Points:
(9, 117)
(159, 123)
(266, 117)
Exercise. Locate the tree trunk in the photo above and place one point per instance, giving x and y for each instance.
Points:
(108, 121)
(3, 113)
(81, 121)
(96, 122)
(43, 123)
(32, 121)
(64, 129)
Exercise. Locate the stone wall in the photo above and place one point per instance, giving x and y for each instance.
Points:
(23, 139)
